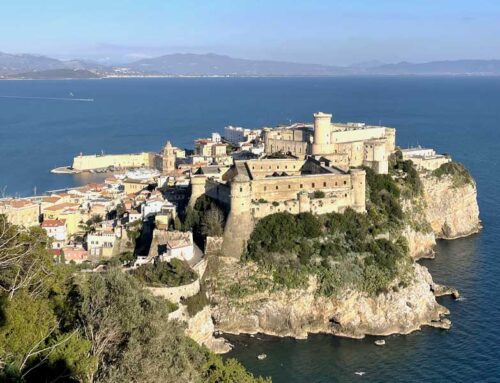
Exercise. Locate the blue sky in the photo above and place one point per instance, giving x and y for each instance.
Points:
(327, 32)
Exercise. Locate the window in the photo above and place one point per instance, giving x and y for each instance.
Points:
(301, 186)
(313, 185)
(324, 184)
(241, 190)
(276, 187)
(289, 187)
(345, 182)
(265, 188)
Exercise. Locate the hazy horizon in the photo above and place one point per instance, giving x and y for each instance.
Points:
(322, 32)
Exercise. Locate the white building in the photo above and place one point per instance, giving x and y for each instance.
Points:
(216, 138)
(56, 229)
(425, 159)
(151, 207)
(179, 245)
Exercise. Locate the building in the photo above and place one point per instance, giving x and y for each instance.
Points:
(117, 161)
(236, 134)
(75, 254)
(101, 243)
(167, 245)
(345, 145)
(251, 190)
(169, 158)
(22, 212)
(56, 229)
(425, 159)
(71, 213)
(133, 186)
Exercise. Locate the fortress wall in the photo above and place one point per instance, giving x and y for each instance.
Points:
(390, 143)
(174, 294)
(261, 210)
(296, 148)
(287, 188)
(263, 168)
(333, 203)
(429, 163)
(145, 159)
(218, 191)
(361, 134)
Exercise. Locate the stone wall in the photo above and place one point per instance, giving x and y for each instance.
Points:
(136, 160)
(174, 294)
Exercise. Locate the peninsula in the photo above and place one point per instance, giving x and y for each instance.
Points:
(311, 227)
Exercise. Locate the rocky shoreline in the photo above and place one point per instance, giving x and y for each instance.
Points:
(449, 211)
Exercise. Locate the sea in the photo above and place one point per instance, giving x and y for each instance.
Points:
(44, 124)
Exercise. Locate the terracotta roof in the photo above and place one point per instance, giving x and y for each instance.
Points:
(51, 199)
(62, 206)
(53, 222)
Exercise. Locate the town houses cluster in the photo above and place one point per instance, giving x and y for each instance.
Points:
(315, 167)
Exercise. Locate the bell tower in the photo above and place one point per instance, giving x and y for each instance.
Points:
(168, 167)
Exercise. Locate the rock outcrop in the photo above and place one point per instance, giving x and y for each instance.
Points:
(420, 243)
(201, 329)
(451, 210)
(297, 313)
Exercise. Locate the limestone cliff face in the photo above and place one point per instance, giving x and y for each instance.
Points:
(452, 211)
(299, 312)
(421, 244)
(201, 328)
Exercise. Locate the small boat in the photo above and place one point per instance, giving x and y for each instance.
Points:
(261, 356)
(380, 342)
(360, 373)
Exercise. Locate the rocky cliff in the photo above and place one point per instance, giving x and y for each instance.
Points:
(296, 313)
(201, 329)
(445, 210)
(451, 209)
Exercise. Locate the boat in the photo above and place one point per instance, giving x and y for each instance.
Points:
(261, 356)
(380, 342)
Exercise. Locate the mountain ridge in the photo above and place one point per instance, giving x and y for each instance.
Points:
(211, 64)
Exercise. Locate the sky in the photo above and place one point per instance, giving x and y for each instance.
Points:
(333, 32)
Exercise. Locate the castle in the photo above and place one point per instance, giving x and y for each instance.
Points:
(345, 145)
(321, 177)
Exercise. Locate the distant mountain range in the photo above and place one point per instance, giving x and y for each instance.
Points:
(28, 66)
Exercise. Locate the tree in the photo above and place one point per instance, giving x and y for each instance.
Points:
(212, 223)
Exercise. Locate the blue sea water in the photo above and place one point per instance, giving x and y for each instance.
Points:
(460, 116)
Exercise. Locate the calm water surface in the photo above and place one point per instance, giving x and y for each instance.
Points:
(460, 116)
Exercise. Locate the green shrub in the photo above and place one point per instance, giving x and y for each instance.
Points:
(460, 175)
(318, 194)
(165, 274)
(197, 302)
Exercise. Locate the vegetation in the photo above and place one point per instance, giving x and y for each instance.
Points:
(91, 327)
(318, 194)
(133, 232)
(197, 302)
(165, 274)
(459, 174)
(205, 219)
(349, 250)
(407, 175)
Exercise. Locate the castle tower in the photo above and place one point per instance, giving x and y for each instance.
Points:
(168, 159)
(240, 223)
(322, 132)
(358, 184)
(197, 188)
